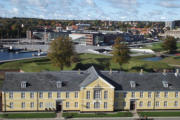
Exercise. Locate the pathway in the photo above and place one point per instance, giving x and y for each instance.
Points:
(2, 61)
(135, 114)
(59, 115)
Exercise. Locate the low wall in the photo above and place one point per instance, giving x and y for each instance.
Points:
(43, 48)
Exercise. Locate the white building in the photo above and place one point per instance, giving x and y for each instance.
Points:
(170, 24)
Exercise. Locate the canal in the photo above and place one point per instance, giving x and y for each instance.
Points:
(12, 56)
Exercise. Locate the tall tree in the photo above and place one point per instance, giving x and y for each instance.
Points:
(121, 53)
(170, 44)
(62, 52)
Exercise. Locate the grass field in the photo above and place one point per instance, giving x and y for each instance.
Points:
(159, 114)
(172, 60)
(84, 115)
(158, 46)
(28, 115)
(101, 62)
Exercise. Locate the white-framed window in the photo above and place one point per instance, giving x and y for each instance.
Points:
(22, 95)
(105, 105)
(124, 94)
(49, 94)
(11, 105)
(149, 104)
(175, 103)
(141, 94)
(23, 105)
(88, 105)
(59, 84)
(76, 94)
(10, 95)
(87, 94)
(67, 104)
(157, 103)
(31, 95)
(165, 103)
(23, 84)
(67, 94)
(58, 94)
(140, 103)
(32, 104)
(96, 105)
(41, 104)
(124, 104)
(176, 94)
(97, 94)
(132, 94)
(149, 94)
(165, 94)
(41, 95)
(157, 94)
(105, 94)
(76, 104)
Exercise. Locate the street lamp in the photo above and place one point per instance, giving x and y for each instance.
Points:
(22, 26)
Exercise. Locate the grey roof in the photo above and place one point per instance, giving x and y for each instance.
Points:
(74, 80)
(44, 81)
(93, 75)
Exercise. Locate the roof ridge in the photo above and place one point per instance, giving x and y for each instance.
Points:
(93, 70)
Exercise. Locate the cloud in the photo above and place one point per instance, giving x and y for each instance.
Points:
(15, 11)
(169, 3)
(91, 9)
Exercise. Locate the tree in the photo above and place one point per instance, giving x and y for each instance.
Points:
(170, 44)
(62, 52)
(120, 52)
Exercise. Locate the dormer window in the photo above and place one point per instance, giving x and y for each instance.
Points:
(59, 84)
(23, 84)
(165, 84)
(133, 84)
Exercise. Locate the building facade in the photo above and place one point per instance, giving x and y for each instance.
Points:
(90, 91)
(87, 38)
(170, 24)
(173, 33)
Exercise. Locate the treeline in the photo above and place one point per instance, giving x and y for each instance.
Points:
(12, 27)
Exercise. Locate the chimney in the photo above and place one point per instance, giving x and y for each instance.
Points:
(164, 72)
(141, 72)
(110, 71)
(177, 72)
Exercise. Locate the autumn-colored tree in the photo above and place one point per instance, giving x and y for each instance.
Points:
(61, 52)
(170, 44)
(121, 53)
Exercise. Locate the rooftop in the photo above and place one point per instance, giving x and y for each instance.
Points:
(74, 80)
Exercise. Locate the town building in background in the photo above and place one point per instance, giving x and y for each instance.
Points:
(173, 33)
(170, 24)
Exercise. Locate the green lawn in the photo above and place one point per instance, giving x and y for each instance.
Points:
(101, 62)
(158, 46)
(83, 115)
(28, 115)
(159, 114)
(172, 60)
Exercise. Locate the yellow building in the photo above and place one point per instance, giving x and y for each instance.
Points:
(90, 90)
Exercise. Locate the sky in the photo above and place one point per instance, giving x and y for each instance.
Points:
(120, 10)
